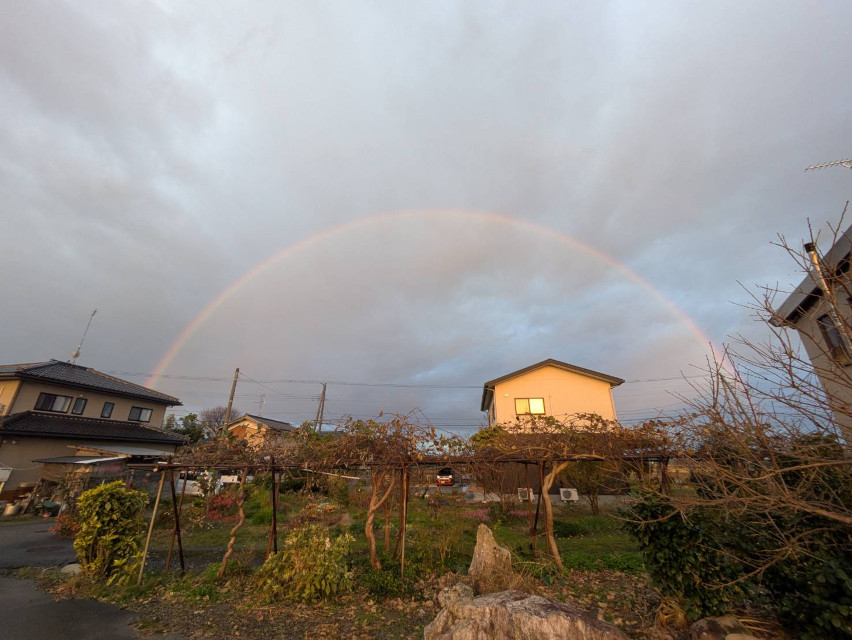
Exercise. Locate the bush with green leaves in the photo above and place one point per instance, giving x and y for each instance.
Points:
(108, 542)
(682, 555)
(384, 583)
(310, 566)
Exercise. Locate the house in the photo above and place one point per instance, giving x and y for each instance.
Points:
(825, 329)
(549, 388)
(259, 431)
(48, 407)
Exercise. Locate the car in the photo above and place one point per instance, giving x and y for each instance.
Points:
(445, 478)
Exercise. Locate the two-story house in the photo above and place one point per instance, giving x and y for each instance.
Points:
(549, 388)
(48, 407)
(825, 329)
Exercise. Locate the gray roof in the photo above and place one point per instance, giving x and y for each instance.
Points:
(488, 387)
(74, 375)
(78, 459)
(808, 292)
(31, 423)
(269, 422)
(125, 451)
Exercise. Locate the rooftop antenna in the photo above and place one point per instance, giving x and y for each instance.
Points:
(824, 165)
(76, 353)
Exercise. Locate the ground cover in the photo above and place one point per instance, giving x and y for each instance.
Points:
(603, 571)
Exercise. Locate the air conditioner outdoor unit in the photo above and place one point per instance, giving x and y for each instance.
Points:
(525, 494)
(569, 495)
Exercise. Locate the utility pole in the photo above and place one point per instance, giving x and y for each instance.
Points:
(260, 407)
(231, 398)
(320, 408)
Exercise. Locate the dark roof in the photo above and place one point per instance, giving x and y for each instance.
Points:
(808, 292)
(269, 422)
(488, 387)
(74, 375)
(31, 423)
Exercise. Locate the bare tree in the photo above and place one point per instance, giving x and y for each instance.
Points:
(213, 419)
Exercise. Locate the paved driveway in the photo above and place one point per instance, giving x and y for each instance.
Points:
(29, 543)
(27, 613)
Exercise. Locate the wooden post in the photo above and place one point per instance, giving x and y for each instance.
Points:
(529, 510)
(151, 528)
(177, 504)
(272, 538)
(538, 503)
(404, 496)
(665, 482)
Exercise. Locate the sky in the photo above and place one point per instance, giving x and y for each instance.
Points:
(406, 200)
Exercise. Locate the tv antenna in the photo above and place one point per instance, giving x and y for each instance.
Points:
(76, 353)
(824, 165)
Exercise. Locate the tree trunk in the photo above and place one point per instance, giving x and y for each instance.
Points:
(375, 504)
(548, 510)
(387, 527)
(241, 498)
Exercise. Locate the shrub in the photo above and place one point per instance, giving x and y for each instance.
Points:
(310, 566)
(681, 555)
(107, 544)
(66, 525)
(385, 584)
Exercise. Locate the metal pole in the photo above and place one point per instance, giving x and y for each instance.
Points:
(151, 528)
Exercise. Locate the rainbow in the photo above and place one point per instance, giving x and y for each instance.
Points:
(342, 229)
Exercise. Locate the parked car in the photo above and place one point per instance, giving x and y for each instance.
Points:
(445, 477)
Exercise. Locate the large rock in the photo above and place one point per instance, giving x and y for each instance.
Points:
(491, 567)
(715, 628)
(513, 615)
(459, 591)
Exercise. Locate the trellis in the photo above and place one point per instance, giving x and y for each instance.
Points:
(168, 469)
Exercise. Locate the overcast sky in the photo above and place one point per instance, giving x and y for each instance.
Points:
(443, 190)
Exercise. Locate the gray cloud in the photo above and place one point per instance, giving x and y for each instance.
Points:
(152, 155)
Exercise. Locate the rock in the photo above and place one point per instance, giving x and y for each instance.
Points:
(345, 520)
(71, 569)
(449, 595)
(513, 615)
(715, 628)
(491, 567)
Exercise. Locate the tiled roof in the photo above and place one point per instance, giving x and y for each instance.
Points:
(31, 423)
(272, 424)
(84, 377)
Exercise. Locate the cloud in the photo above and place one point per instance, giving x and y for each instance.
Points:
(151, 155)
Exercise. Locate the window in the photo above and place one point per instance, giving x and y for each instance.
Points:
(79, 406)
(53, 402)
(140, 414)
(831, 334)
(529, 406)
(106, 412)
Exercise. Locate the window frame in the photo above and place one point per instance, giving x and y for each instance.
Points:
(833, 340)
(104, 412)
(529, 411)
(44, 395)
(141, 411)
(77, 401)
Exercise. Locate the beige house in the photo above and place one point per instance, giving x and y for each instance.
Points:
(549, 388)
(48, 407)
(260, 432)
(824, 330)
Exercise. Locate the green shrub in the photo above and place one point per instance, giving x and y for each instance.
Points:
(310, 566)
(107, 544)
(262, 516)
(682, 555)
(562, 529)
(382, 583)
